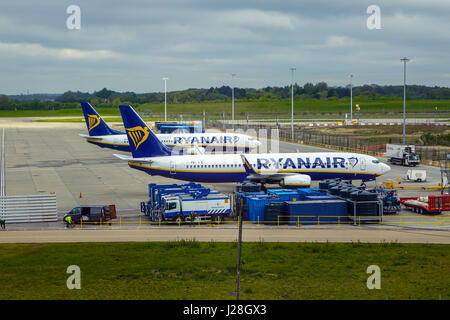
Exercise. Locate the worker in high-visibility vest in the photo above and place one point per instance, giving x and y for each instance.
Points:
(192, 216)
(68, 221)
(2, 224)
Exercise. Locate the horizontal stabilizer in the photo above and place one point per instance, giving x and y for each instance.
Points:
(90, 137)
(130, 158)
(123, 157)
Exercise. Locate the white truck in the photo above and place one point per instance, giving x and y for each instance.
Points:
(416, 175)
(402, 154)
(185, 207)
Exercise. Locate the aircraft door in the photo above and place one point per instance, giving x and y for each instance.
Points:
(172, 167)
(347, 165)
(363, 164)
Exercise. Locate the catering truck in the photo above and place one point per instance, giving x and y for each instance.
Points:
(404, 155)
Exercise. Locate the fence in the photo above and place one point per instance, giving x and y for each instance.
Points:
(30, 208)
(298, 221)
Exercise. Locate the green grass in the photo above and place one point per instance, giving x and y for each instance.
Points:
(194, 270)
(303, 108)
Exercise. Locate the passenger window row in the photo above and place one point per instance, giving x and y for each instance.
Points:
(214, 166)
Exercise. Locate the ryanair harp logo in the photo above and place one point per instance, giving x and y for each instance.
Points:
(93, 121)
(138, 135)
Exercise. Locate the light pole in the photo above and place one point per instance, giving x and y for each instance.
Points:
(351, 99)
(232, 99)
(165, 97)
(404, 60)
(292, 103)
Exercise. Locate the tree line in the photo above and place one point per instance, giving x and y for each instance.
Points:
(320, 90)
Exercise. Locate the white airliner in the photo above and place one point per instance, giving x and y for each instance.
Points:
(192, 143)
(287, 169)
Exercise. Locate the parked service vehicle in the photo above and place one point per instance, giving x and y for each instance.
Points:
(416, 175)
(92, 213)
(427, 204)
(184, 207)
(404, 155)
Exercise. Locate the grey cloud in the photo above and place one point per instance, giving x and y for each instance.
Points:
(131, 45)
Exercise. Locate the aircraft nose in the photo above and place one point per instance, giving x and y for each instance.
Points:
(385, 168)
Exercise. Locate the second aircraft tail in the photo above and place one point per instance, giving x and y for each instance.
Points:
(95, 124)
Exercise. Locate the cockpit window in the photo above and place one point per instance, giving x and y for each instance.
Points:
(376, 161)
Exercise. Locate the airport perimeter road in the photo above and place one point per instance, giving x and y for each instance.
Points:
(226, 234)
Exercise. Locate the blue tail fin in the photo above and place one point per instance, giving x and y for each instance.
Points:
(143, 142)
(247, 166)
(95, 124)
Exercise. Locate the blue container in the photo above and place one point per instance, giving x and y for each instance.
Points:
(256, 208)
(311, 192)
(285, 194)
(324, 197)
(318, 211)
(276, 191)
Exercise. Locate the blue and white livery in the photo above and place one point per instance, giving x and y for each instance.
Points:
(287, 169)
(197, 143)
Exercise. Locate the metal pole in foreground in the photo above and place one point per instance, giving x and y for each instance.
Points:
(404, 60)
(165, 97)
(351, 99)
(292, 103)
(239, 245)
(3, 180)
(232, 100)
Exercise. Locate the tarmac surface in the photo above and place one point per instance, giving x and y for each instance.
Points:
(228, 234)
(44, 157)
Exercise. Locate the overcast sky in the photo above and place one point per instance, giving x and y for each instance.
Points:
(131, 45)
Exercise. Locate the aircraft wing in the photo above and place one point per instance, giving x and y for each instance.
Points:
(285, 179)
(272, 174)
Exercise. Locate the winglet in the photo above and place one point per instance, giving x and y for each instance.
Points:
(247, 166)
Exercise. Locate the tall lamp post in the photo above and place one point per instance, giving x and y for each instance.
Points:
(351, 99)
(232, 99)
(165, 97)
(292, 103)
(404, 60)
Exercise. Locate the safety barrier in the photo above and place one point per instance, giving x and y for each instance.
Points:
(28, 208)
(298, 221)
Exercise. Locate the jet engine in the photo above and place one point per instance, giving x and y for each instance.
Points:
(296, 181)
